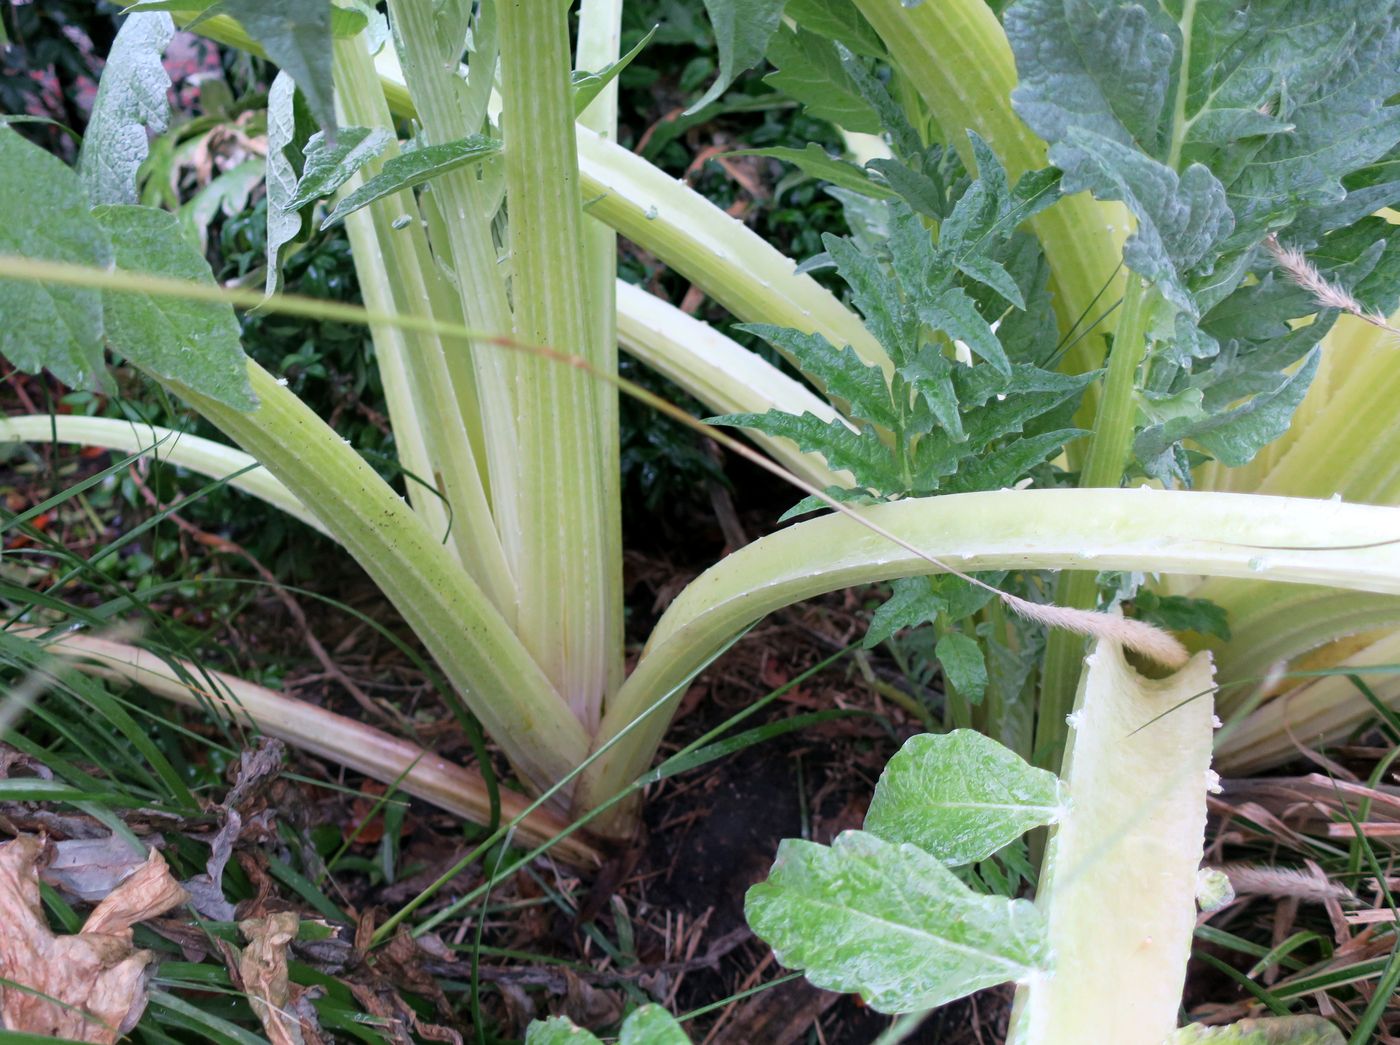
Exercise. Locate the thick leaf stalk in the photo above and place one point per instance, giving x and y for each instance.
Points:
(1119, 886)
(571, 544)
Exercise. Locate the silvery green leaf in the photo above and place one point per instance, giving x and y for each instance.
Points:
(296, 34)
(649, 1025)
(329, 166)
(1180, 219)
(961, 796)
(891, 923)
(558, 1030)
(742, 30)
(809, 70)
(1272, 1030)
(283, 218)
(44, 214)
(131, 105)
(410, 169)
(193, 343)
(652, 1025)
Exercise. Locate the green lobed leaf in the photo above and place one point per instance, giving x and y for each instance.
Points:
(954, 313)
(194, 343)
(284, 220)
(859, 452)
(961, 796)
(649, 1025)
(44, 214)
(816, 162)
(558, 1030)
(891, 923)
(1272, 1030)
(838, 371)
(964, 668)
(1180, 613)
(296, 34)
(131, 105)
(410, 169)
(809, 69)
(742, 30)
(330, 165)
(838, 20)
(652, 1025)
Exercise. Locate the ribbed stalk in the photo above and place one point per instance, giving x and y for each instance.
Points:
(397, 276)
(717, 252)
(322, 733)
(570, 536)
(599, 45)
(1119, 887)
(1162, 531)
(449, 612)
(1108, 456)
(439, 101)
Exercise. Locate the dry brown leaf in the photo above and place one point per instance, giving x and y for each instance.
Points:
(263, 966)
(90, 868)
(87, 987)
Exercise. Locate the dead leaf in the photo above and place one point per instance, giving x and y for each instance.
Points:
(263, 966)
(87, 987)
(90, 868)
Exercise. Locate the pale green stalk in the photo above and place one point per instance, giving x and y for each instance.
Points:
(1119, 887)
(203, 456)
(723, 375)
(599, 45)
(1316, 713)
(424, 374)
(324, 734)
(571, 536)
(1109, 451)
(721, 255)
(718, 253)
(438, 599)
(1148, 530)
(957, 57)
(440, 100)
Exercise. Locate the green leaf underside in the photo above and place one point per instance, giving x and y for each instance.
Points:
(195, 343)
(329, 166)
(284, 222)
(649, 1025)
(1278, 1030)
(960, 797)
(742, 30)
(809, 69)
(410, 169)
(296, 34)
(891, 923)
(131, 104)
(1280, 103)
(588, 86)
(44, 214)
